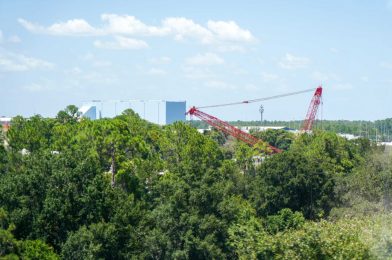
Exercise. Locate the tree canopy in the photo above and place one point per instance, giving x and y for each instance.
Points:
(124, 188)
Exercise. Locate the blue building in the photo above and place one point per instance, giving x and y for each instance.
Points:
(175, 111)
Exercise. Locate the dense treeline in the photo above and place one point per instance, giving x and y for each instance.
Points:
(124, 188)
(380, 130)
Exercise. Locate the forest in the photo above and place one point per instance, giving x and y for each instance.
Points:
(124, 188)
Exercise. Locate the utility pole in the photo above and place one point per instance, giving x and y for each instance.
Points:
(261, 110)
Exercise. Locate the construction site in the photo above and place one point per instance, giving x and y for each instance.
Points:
(239, 130)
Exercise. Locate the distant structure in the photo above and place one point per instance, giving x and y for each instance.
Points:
(261, 110)
(175, 111)
(156, 111)
(5, 123)
(88, 111)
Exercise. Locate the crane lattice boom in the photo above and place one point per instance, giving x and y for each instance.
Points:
(227, 128)
(312, 111)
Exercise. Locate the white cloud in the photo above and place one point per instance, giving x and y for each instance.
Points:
(267, 77)
(251, 87)
(230, 48)
(17, 62)
(364, 78)
(34, 87)
(333, 50)
(156, 72)
(323, 77)
(101, 63)
(229, 31)
(126, 24)
(221, 34)
(160, 60)
(78, 77)
(197, 72)
(341, 86)
(121, 42)
(14, 39)
(95, 62)
(74, 71)
(183, 28)
(11, 39)
(74, 27)
(386, 65)
(205, 59)
(218, 84)
(290, 61)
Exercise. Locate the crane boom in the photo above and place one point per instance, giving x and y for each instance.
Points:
(312, 111)
(228, 129)
(259, 99)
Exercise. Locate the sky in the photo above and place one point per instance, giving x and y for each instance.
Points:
(56, 53)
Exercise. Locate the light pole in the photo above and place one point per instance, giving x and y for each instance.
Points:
(261, 110)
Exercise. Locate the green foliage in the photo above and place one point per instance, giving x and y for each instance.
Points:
(323, 240)
(279, 138)
(3, 155)
(243, 155)
(284, 220)
(98, 241)
(11, 248)
(37, 250)
(368, 189)
(69, 115)
(124, 188)
(291, 180)
(33, 134)
(217, 136)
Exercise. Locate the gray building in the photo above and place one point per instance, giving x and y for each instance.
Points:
(175, 111)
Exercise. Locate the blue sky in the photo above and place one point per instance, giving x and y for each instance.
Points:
(55, 53)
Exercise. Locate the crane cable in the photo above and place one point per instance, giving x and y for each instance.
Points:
(259, 99)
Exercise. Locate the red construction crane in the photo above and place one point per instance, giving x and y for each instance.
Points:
(312, 111)
(241, 135)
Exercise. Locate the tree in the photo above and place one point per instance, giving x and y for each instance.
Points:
(70, 115)
(279, 138)
(97, 241)
(291, 180)
(11, 248)
(37, 250)
(125, 188)
(3, 156)
(244, 156)
(284, 220)
(217, 136)
(33, 134)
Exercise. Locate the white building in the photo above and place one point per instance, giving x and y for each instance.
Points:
(88, 111)
(156, 111)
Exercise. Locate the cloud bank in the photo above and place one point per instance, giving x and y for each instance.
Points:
(220, 33)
